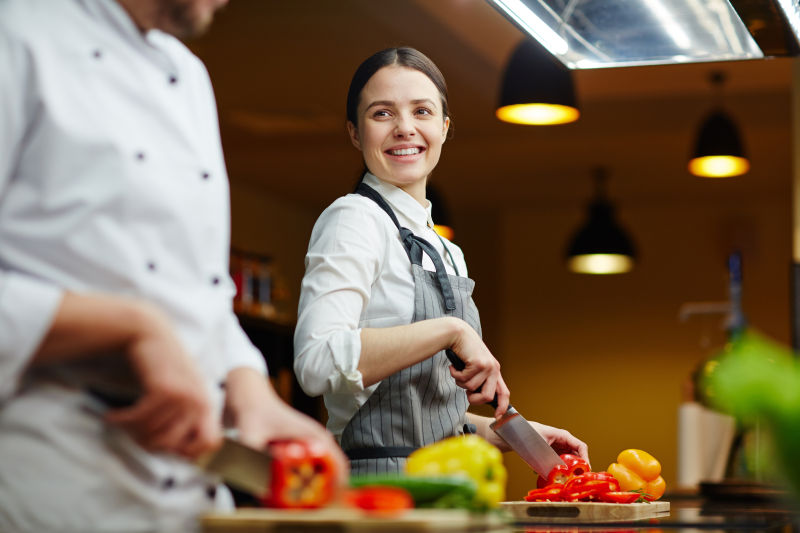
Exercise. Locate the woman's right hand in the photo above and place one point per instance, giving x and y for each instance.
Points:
(174, 414)
(481, 376)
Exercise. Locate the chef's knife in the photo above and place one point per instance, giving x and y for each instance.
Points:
(519, 434)
(241, 466)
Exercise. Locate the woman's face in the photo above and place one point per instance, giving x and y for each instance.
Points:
(401, 127)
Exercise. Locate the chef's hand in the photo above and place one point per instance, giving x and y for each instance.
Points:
(174, 413)
(481, 371)
(562, 441)
(253, 407)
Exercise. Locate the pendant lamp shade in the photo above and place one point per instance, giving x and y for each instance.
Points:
(718, 151)
(600, 245)
(537, 88)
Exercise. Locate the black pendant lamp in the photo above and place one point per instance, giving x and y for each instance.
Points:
(718, 151)
(439, 213)
(600, 245)
(537, 88)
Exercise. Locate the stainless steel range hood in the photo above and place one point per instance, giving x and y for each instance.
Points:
(613, 33)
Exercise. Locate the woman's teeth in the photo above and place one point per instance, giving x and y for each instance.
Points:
(405, 151)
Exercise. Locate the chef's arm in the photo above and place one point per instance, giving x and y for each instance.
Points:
(254, 408)
(87, 324)
(174, 412)
(385, 351)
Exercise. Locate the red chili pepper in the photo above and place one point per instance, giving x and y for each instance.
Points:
(303, 475)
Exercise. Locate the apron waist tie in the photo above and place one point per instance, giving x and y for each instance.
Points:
(379, 452)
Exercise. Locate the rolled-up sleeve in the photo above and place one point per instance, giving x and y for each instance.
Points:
(343, 260)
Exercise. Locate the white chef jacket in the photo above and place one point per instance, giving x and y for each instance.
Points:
(358, 275)
(112, 179)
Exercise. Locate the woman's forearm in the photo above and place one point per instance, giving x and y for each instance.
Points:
(385, 351)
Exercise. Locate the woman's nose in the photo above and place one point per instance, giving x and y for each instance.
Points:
(404, 126)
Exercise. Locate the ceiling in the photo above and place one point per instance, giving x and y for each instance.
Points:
(281, 71)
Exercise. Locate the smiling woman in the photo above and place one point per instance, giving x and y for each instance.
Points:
(383, 296)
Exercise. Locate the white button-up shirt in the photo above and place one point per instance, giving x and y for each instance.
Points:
(358, 275)
(112, 179)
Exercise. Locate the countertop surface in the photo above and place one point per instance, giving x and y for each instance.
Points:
(687, 513)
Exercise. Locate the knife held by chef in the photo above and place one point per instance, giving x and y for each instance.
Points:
(519, 434)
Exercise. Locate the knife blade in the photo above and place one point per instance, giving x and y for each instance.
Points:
(526, 441)
(240, 466)
(518, 433)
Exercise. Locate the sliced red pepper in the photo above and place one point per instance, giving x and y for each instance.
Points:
(552, 493)
(585, 488)
(619, 497)
(559, 474)
(593, 479)
(575, 465)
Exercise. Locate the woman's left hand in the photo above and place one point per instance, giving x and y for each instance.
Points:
(562, 440)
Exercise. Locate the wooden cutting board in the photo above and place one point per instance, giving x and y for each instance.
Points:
(345, 520)
(560, 512)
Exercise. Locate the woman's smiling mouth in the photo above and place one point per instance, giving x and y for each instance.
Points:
(405, 151)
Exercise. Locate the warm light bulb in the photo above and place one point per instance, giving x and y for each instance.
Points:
(600, 263)
(538, 114)
(718, 166)
(445, 231)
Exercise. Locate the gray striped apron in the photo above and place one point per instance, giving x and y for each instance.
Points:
(420, 404)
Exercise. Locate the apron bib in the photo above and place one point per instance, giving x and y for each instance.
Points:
(420, 404)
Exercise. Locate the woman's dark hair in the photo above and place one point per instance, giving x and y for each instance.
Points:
(404, 57)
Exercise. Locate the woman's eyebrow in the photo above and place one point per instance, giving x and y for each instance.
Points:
(391, 103)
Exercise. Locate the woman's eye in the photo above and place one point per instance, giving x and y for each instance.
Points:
(380, 113)
(424, 111)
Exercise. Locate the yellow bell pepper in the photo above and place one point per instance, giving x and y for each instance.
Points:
(469, 456)
(637, 470)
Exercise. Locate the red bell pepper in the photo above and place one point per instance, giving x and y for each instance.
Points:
(303, 475)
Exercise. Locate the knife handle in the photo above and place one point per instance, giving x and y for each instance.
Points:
(459, 364)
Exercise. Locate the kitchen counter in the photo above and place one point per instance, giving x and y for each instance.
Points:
(687, 512)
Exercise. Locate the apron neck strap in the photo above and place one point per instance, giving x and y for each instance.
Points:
(414, 246)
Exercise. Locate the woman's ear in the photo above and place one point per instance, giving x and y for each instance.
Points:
(446, 128)
(352, 131)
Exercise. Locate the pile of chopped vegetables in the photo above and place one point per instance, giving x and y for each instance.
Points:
(635, 477)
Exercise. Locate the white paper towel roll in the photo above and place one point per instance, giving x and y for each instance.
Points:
(704, 442)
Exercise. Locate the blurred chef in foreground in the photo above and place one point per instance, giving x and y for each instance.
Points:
(119, 351)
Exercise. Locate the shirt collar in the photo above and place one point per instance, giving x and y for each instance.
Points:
(402, 203)
(112, 13)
